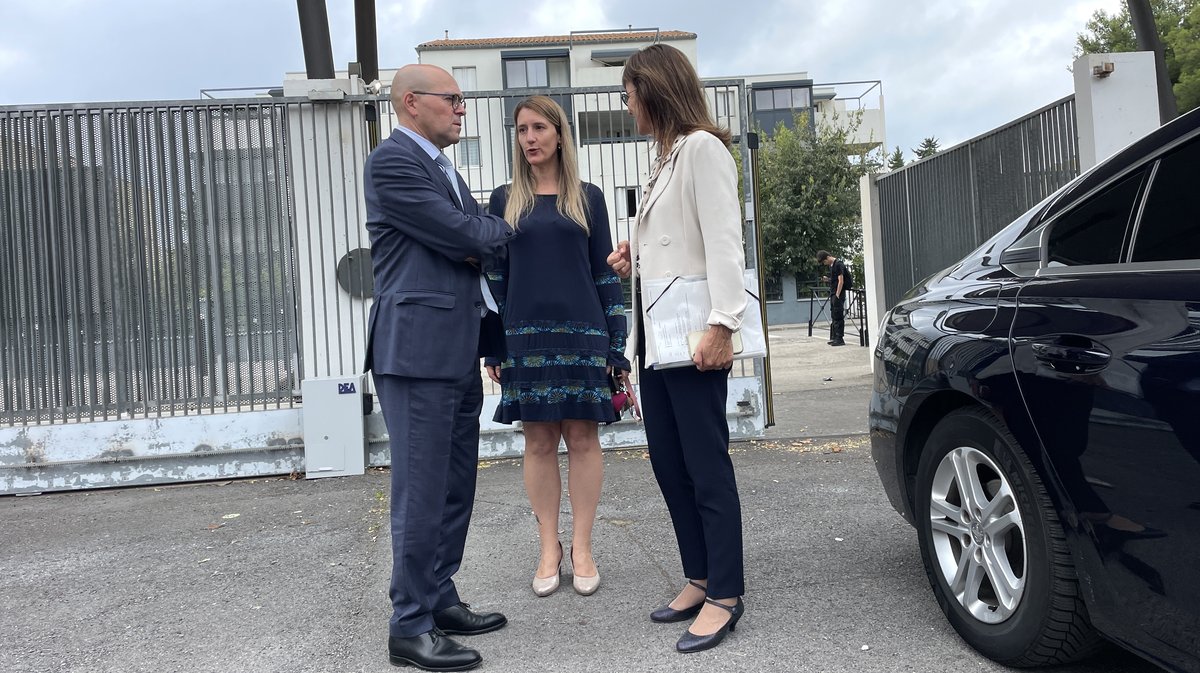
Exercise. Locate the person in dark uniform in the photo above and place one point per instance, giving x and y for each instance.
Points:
(837, 296)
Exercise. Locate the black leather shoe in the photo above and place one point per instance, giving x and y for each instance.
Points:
(432, 651)
(668, 614)
(691, 642)
(458, 620)
(838, 343)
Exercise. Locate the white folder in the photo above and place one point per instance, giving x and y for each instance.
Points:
(679, 306)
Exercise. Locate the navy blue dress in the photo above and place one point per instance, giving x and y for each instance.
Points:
(563, 313)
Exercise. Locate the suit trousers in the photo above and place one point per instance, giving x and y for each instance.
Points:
(688, 439)
(433, 426)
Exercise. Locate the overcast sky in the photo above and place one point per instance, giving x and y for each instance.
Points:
(950, 68)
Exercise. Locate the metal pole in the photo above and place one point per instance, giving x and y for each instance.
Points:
(314, 33)
(366, 42)
(1147, 40)
(752, 144)
(367, 50)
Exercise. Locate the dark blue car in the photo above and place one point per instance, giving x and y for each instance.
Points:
(1036, 417)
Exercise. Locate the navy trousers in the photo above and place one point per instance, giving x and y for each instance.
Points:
(688, 439)
(434, 431)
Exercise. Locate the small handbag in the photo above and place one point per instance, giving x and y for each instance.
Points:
(622, 399)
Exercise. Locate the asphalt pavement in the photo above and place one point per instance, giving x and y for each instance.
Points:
(288, 575)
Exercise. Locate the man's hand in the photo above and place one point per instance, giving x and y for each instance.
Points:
(715, 350)
(493, 372)
(619, 260)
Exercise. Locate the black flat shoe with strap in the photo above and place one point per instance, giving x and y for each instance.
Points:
(668, 614)
(691, 642)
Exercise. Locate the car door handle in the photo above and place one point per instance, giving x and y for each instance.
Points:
(1067, 355)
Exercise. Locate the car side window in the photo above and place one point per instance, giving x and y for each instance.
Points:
(1092, 233)
(1170, 225)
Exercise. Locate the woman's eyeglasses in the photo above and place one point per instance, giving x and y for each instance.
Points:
(625, 97)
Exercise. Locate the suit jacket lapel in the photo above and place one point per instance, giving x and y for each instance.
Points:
(431, 167)
(663, 178)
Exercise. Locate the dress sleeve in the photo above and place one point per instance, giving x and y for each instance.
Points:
(497, 272)
(608, 285)
(497, 266)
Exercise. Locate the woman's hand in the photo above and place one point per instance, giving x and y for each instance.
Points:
(715, 350)
(619, 260)
(637, 407)
(493, 372)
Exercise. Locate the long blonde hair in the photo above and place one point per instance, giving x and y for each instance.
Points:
(670, 94)
(571, 203)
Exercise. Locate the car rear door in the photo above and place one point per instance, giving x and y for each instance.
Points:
(1106, 343)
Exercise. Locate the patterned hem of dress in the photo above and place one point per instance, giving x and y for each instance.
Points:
(554, 413)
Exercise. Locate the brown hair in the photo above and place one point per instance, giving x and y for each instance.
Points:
(670, 95)
(571, 203)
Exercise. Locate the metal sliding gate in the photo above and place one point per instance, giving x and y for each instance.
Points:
(171, 271)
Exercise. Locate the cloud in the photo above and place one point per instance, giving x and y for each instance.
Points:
(11, 58)
(551, 16)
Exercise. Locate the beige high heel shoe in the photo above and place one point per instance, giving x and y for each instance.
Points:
(544, 586)
(584, 586)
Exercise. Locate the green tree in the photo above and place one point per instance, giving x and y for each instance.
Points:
(809, 194)
(1186, 40)
(927, 148)
(1178, 23)
(895, 160)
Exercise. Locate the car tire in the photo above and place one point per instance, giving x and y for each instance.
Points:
(994, 550)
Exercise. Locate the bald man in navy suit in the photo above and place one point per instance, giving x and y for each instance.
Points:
(428, 236)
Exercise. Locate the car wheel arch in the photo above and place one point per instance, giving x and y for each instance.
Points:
(917, 428)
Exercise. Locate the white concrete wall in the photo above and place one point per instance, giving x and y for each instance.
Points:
(489, 70)
(871, 129)
(873, 284)
(1113, 110)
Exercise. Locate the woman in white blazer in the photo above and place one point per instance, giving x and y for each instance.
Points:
(690, 224)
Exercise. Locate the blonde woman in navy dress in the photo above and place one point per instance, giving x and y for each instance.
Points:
(564, 325)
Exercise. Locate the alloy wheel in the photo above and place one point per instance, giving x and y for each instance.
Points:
(978, 534)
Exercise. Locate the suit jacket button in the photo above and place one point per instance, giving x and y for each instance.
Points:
(665, 240)
(478, 304)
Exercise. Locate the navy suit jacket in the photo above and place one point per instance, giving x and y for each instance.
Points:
(425, 320)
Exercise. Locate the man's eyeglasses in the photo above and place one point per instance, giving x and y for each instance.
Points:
(455, 100)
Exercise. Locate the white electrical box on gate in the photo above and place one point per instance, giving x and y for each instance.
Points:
(334, 427)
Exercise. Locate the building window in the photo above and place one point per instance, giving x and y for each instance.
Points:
(628, 199)
(465, 77)
(509, 148)
(606, 126)
(529, 73)
(724, 104)
(784, 98)
(468, 152)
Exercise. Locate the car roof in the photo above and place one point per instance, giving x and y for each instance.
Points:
(1134, 154)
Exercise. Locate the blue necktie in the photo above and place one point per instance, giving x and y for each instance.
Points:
(443, 163)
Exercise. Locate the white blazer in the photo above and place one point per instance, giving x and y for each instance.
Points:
(690, 224)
